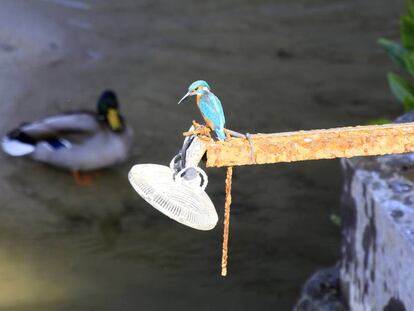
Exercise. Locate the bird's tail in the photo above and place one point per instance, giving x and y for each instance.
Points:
(17, 144)
(220, 133)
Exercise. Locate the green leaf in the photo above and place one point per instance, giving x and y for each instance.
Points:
(379, 121)
(401, 88)
(408, 104)
(409, 62)
(336, 219)
(407, 32)
(394, 50)
(410, 7)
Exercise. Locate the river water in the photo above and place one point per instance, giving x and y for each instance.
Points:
(276, 65)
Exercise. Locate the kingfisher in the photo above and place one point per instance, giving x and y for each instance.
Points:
(212, 112)
(209, 105)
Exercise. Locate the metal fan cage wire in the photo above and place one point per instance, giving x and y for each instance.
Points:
(200, 181)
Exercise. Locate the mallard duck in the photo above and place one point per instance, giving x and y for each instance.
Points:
(77, 141)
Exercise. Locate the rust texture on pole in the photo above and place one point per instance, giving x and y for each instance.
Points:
(345, 142)
(227, 205)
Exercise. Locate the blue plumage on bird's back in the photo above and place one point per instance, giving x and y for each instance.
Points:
(212, 111)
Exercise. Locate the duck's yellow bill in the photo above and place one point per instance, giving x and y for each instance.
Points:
(113, 119)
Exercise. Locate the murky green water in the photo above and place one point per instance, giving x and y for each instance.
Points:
(276, 65)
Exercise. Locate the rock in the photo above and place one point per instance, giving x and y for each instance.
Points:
(378, 231)
(321, 292)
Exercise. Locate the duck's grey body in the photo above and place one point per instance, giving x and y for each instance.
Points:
(74, 141)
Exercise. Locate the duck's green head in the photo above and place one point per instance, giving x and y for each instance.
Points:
(198, 87)
(108, 110)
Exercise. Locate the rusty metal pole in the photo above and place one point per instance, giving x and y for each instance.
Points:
(332, 143)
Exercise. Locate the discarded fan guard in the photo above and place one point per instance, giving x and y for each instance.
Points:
(186, 204)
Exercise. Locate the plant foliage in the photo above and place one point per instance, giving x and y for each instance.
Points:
(403, 55)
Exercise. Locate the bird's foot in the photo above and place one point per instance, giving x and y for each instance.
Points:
(82, 180)
(199, 130)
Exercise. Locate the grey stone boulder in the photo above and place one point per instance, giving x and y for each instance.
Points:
(377, 265)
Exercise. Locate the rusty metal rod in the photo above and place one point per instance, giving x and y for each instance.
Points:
(332, 143)
(227, 205)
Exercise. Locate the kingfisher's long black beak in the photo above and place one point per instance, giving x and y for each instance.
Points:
(184, 97)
